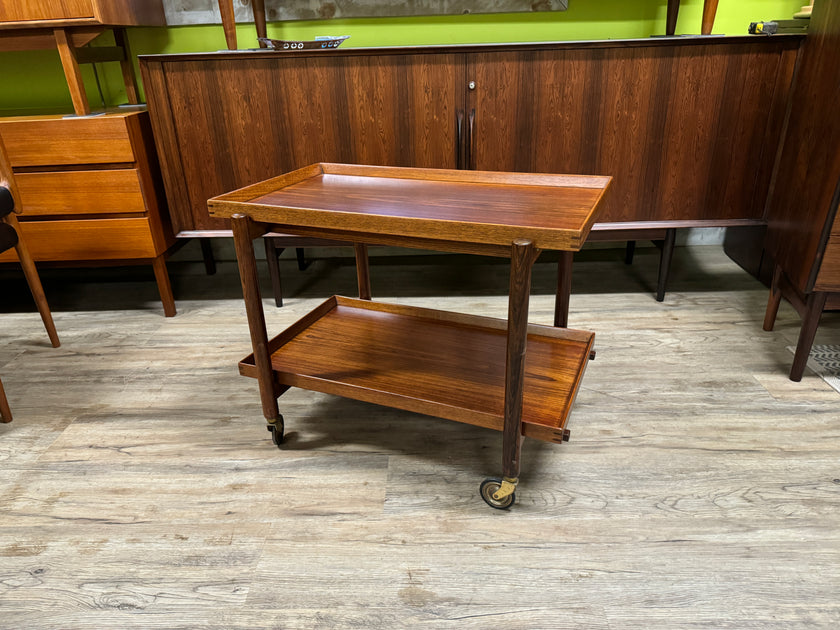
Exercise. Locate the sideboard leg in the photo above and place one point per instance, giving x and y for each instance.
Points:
(207, 256)
(272, 259)
(363, 271)
(665, 262)
(564, 289)
(164, 287)
(814, 306)
(774, 300)
(244, 231)
(629, 252)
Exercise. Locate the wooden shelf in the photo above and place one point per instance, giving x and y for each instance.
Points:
(433, 362)
(452, 210)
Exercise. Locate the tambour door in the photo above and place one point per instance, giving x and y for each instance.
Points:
(238, 121)
(683, 130)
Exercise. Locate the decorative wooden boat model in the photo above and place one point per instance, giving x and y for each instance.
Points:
(318, 43)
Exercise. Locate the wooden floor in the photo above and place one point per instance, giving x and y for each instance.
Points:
(139, 487)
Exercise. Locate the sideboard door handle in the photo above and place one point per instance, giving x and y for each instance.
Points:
(459, 140)
(471, 142)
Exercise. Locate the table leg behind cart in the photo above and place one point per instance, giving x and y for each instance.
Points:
(244, 233)
(499, 493)
(363, 271)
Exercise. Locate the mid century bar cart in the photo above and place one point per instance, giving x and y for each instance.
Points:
(459, 367)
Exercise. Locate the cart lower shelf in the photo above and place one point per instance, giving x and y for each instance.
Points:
(437, 363)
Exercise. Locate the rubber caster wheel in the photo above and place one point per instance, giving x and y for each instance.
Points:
(276, 430)
(488, 487)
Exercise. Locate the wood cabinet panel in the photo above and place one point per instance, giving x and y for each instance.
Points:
(57, 141)
(111, 12)
(131, 12)
(81, 192)
(29, 10)
(238, 121)
(682, 130)
(92, 239)
(687, 128)
(803, 206)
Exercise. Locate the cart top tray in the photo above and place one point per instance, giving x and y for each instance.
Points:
(442, 364)
(423, 207)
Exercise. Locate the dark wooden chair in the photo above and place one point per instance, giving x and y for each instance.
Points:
(10, 237)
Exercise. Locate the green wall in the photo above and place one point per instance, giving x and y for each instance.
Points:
(33, 81)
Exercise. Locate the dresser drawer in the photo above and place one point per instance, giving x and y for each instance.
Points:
(81, 192)
(93, 239)
(28, 10)
(829, 276)
(56, 141)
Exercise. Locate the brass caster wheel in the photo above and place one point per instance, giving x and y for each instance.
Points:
(276, 429)
(490, 487)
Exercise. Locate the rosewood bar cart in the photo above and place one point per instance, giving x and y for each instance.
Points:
(459, 367)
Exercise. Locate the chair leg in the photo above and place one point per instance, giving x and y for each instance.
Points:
(164, 287)
(665, 262)
(810, 322)
(34, 282)
(272, 259)
(5, 412)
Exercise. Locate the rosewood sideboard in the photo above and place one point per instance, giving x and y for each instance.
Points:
(688, 127)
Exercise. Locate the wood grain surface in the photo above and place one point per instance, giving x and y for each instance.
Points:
(81, 192)
(139, 487)
(479, 208)
(22, 13)
(54, 140)
(805, 199)
(87, 239)
(397, 111)
(405, 358)
(689, 128)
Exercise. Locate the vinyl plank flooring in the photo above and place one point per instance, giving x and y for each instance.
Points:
(140, 489)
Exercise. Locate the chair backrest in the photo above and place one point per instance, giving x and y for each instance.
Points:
(7, 181)
(7, 201)
(8, 235)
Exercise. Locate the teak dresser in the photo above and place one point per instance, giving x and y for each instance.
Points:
(90, 185)
(509, 376)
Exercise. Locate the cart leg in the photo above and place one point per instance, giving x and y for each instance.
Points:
(244, 233)
(363, 271)
(499, 493)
